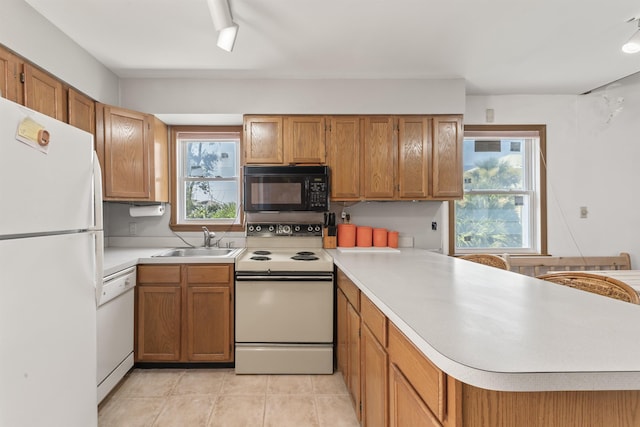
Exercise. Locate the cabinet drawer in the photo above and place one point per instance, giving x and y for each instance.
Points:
(375, 320)
(202, 274)
(157, 274)
(425, 378)
(350, 290)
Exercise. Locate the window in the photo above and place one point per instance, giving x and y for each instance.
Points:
(206, 178)
(504, 203)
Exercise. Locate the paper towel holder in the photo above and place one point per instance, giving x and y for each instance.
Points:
(146, 210)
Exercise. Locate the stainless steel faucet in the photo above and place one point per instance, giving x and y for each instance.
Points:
(208, 235)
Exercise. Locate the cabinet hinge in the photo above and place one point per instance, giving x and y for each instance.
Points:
(21, 77)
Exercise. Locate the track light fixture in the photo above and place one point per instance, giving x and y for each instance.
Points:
(633, 44)
(223, 23)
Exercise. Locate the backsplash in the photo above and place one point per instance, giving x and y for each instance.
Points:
(411, 219)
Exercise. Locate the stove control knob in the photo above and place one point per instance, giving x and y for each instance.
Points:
(271, 228)
(296, 228)
(310, 228)
(251, 228)
(317, 228)
(258, 228)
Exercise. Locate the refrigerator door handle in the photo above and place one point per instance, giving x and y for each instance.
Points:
(99, 263)
(97, 193)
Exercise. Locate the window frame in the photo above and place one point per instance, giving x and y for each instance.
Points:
(174, 176)
(540, 193)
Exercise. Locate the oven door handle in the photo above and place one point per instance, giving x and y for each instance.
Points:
(284, 278)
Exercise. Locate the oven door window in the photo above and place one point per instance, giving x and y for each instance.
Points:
(275, 193)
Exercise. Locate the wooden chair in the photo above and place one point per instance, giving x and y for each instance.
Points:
(595, 283)
(487, 259)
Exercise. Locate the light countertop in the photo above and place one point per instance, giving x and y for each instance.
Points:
(120, 258)
(500, 330)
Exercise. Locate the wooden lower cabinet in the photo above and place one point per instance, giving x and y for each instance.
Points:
(405, 406)
(159, 323)
(374, 374)
(184, 313)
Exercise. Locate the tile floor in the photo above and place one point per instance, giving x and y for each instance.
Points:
(218, 397)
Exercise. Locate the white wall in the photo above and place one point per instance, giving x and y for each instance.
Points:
(592, 160)
(303, 96)
(27, 33)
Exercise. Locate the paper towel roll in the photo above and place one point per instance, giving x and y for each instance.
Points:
(155, 210)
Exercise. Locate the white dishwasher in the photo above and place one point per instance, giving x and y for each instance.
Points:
(115, 329)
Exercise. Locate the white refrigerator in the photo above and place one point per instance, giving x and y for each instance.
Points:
(51, 248)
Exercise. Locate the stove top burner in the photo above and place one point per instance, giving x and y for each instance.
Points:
(262, 252)
(305, 253)
(261, 258)
(305, 257)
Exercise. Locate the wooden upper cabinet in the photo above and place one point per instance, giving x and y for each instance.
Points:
(447, 157)
(379, 158)
(344, 157)
(10, 66)
(44, 93)
(133, 148)
(305, 139)
(413, 157)
(263, 140)
(82, 111)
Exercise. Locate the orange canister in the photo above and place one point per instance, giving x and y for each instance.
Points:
(364, 236)
(379, 237)
(392, 239)
(346, 235)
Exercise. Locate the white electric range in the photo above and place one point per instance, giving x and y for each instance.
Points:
(284, 301)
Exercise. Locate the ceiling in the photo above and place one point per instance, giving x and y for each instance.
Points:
(497, 46)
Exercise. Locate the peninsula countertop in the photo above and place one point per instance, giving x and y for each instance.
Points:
(500, 330)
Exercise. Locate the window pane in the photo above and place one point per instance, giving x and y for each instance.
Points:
(492, 221)
(211, 199)
(496, 164)
(211, 159)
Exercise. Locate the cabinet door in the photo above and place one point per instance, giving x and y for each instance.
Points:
(305, 139)
(263, 140)
(126, 155)
(413, 160)
(353, 356)
(343, 157)
(10, 65)
(158, 323)
(82, 111)
(208, 323)
(374, 380)
(379, 158)
(43, 93)
(341, 320)
(405, 406)
(447, 157)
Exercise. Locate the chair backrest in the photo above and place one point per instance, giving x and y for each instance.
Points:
(595, 283)
(487, 259)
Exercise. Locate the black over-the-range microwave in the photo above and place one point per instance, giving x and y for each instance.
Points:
(286, 188)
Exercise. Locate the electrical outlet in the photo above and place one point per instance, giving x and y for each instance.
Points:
(132, 229)
(584, 212)
(434, 226)
(343, 215)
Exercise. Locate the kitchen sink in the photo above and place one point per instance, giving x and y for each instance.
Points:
(201, 252)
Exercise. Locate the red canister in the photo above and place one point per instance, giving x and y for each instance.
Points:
(346, 235)
(364, 236)
(379, 237)
(392, 239)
